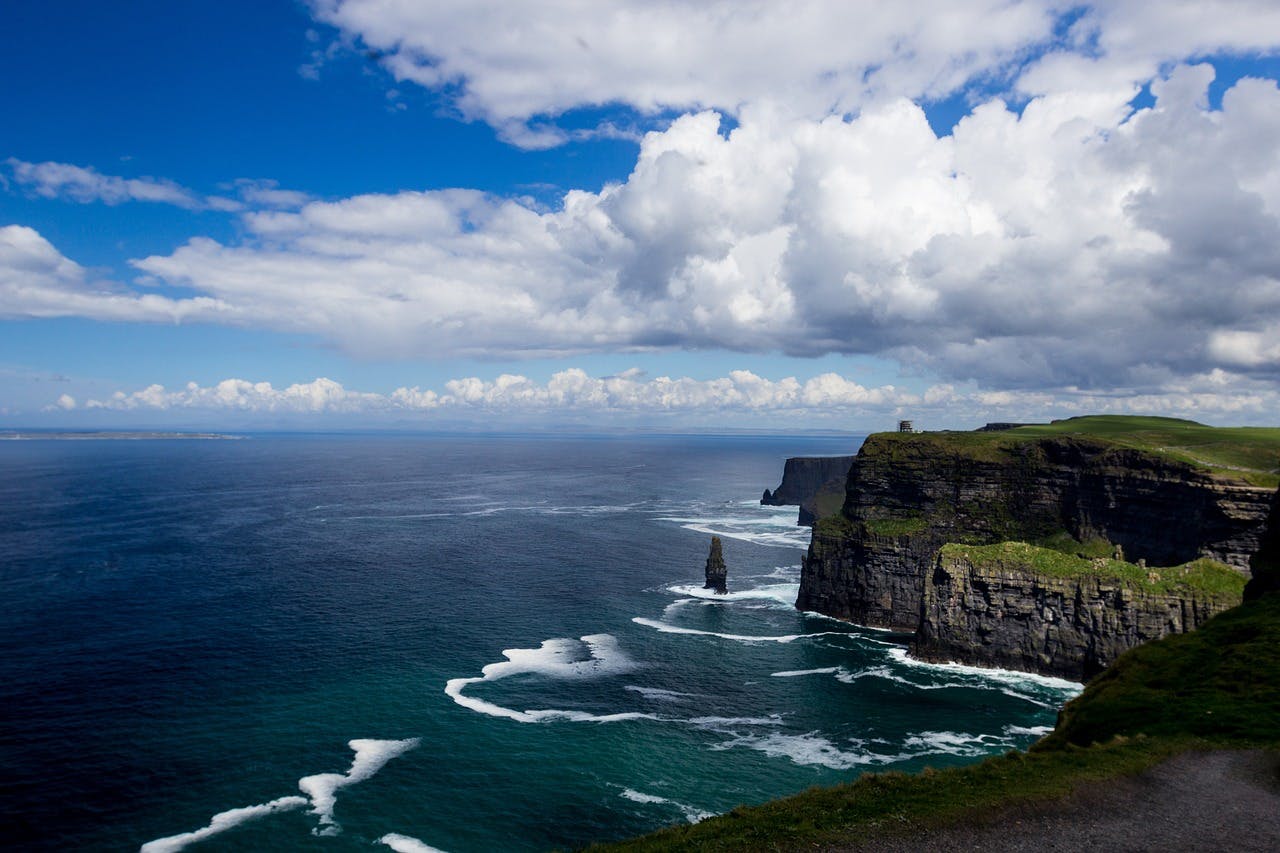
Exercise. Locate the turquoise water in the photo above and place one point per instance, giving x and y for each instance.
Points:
(461, 643)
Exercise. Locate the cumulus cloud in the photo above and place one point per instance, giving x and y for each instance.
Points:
(36, 280)
(1055, 239)
(509, 63)
(825, 399)
(1075, 243)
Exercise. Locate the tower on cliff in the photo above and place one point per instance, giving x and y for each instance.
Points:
(717, 573)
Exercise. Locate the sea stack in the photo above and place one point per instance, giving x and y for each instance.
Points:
(716, 571)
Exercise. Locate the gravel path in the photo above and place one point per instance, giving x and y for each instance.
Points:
(1225, 800)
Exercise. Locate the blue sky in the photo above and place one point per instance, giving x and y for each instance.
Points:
(360, 212)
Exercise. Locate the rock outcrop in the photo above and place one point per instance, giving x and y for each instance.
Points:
(717, 572)
(814, 483)
(877, 562)
(1005, 613)
(908, 495)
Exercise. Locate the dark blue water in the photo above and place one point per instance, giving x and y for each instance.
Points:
(282, 642)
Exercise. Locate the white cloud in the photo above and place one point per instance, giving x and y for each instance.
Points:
(513, 63)
(84, 184)
(1067, 244)
(37, 281)
(1073, 244)
(824, 400)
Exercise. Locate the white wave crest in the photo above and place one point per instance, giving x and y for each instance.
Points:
(691, 814)
(659, 694)
(795, 673)
(780, 593)
(555, 658)
(667, 628)
(371, 756)
(722, 723)
(221, 822)
(951, 743)
(407, 844)
(1007, 676)
(809, 749)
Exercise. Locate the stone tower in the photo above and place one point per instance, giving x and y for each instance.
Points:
(716, 571)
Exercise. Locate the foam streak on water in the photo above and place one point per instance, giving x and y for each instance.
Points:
(406, 844)
(556, 658)
(221, 822)
(371, 756)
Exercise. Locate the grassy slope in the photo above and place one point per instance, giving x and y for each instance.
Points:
(1248, 453)
(1219, 685)
(1203, 575)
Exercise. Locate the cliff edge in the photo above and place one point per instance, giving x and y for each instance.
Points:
(814, 483)
(1149, 493)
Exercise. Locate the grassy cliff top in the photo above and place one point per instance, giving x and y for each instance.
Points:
(1205, 576)
(1251, 454)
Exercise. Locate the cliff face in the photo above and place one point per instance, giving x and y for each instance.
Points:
(906, 496)
(1265, 564)
(815, 483)
(1009, 615)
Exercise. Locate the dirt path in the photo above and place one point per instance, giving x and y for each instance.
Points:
(1199, 801)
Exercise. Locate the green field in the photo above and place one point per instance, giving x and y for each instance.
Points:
(1251, 454)
(1203, 575)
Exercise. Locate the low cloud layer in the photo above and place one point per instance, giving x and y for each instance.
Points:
(825, 400)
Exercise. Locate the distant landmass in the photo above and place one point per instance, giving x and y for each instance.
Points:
(109, 435)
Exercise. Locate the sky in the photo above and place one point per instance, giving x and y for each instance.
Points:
(655, 215)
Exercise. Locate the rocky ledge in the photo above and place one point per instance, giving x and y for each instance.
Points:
(1016, 606)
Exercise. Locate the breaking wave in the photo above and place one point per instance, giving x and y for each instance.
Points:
(556, 658)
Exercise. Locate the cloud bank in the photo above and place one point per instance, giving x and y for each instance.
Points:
(1057, 238)
(517, 66)
(827, 399)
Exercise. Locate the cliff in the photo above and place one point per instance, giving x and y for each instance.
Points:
(1158, 490)
(815, 483)
(1016, 606)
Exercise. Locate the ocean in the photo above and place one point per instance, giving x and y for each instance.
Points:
(417, 642)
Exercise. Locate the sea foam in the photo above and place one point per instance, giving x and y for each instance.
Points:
(1006, 676)
(407, 844)
(780, 593)
(667, 628)
(555, 658)
(691, 814)
(371, 756)
(221, 822)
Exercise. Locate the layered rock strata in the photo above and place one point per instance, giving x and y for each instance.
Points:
(814, 483)
(906, 496)
(717, 574)
(1006, 613)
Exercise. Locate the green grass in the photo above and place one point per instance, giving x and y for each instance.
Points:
(1203, 575)
(1218, 686)
(1219, 682)
(891, 803)
(1092, 548)
(1251, 454)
